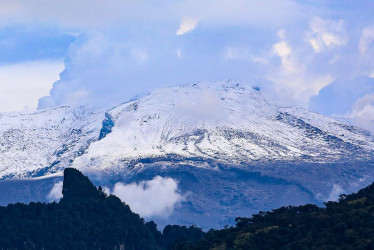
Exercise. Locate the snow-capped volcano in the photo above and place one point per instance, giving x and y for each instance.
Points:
(222, 121)
(231, 150)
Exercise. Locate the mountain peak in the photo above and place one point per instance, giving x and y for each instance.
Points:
(226, 122)
(77, 186)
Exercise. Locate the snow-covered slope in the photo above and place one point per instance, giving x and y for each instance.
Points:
(34, 144)
(224, 122)
(232, 151)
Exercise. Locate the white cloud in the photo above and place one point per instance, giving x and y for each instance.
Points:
(367, 39)
(363, 112)
(56, 192)
(97, 74)
(23, 83)
(156, 197)
(188, 24)
(282, 50)
(139, 50)
(293, 83)
(326, 34)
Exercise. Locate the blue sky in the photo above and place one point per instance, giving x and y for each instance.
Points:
(308, 53)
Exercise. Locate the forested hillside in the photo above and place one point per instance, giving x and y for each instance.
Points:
(347, 224)
(86, 218)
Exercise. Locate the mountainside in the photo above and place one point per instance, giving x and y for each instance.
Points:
(34, 144)
(223, 122)
(231, 150)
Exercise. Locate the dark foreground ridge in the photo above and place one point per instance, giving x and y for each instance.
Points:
(347, 224)
(86, 218)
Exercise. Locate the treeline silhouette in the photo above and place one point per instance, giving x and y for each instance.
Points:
(86, 218)
(347, 224)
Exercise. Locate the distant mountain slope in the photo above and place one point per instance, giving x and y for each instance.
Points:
(224, 122)
(221, 121)
(35, 144)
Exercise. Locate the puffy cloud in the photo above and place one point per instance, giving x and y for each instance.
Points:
(326, 34)
(292, 81)
(363, 112)
(126, 48)
(156, 197)
(282, 50)
(23, 83)
(56, 192)
(188, 24)
(97, 73)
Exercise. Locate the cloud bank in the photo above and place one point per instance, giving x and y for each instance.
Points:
(156, 197)
(293, 49)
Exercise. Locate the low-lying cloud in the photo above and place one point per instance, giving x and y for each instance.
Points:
(156, 197)
(56, 192)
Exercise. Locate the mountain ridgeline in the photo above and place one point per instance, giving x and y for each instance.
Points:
(86, 218)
